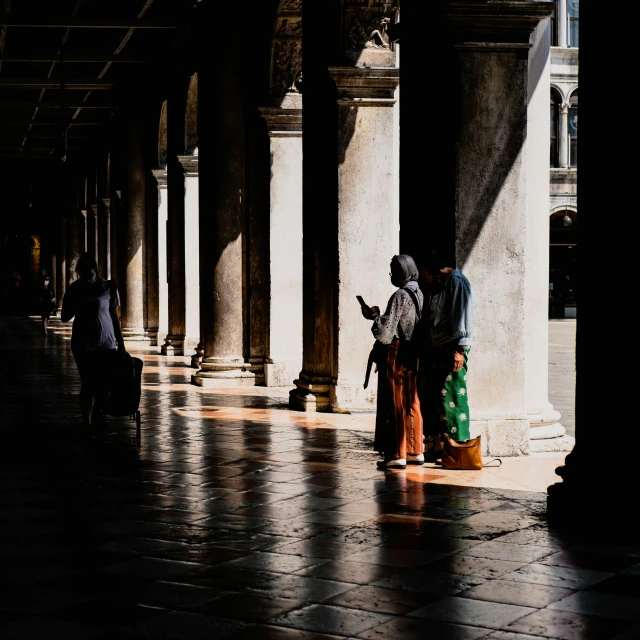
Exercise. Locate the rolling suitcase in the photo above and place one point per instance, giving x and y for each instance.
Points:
(124, 395)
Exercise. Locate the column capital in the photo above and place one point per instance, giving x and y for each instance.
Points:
(370, 86)
(161, 177)
(496, 25)
(106, 202)
(282, 122)
(94, 208)
(189, 165)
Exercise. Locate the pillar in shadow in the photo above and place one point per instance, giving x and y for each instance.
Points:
(222, 203)
(134, 199)
(592, 495)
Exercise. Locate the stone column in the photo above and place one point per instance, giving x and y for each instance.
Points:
(93, 229)
(75, 245)
(585, 502)
(174, 340)
(61, 264)
(103, 240)
(163, 292)
(134, 200)
(356, 247)
(106, 245)
(563, 135)
(546, 433)
(221, 145)
(562, 23)
(492, 211)
(284, 332)
(192, 257)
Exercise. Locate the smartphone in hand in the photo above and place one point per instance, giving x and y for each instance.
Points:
(363, 304)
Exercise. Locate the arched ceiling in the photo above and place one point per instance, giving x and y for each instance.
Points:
(69, 64)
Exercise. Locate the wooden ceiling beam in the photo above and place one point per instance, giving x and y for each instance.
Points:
(43, 83)
(79, 23)
(52, 57)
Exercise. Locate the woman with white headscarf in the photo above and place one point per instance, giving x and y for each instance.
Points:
(398, 434)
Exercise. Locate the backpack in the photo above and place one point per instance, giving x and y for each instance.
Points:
(411, 351)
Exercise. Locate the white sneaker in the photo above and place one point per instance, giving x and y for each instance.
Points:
(401, 463)
(415, 458)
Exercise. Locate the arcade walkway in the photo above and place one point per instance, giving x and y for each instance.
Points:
(234, 517)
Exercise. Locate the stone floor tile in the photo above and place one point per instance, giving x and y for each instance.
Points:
(619, 584)
(429, 581)
(273, 562)
(177, 625)
(510, 635)
(591, 560)
(416, 629)
(332, 619)
(103, 614)
(46, 629)
(507, 551)
(396, 557)
(479, 613)
(348, 571)
(606, 605)
(382, 600)
(267, 632)
(302, 588)
(537, 536)
(562, 625)
(153, 567)
(557, 576)
(523, 594)
(175, 595)
(247, 606)
(474, 566)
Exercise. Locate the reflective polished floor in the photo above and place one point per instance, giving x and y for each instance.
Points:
(233, 517)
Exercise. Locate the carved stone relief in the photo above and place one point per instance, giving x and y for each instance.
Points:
(365, 37)
(286, 65)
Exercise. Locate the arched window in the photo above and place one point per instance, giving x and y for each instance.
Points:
(554, 122)
(573, 11)
(573, 129)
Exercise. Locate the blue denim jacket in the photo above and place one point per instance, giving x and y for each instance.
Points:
(451, 311)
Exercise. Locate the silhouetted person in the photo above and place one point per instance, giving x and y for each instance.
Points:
(96, 337)
(46, 302)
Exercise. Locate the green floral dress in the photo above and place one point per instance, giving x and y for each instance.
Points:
(444, 399)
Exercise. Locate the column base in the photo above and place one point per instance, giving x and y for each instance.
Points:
(216, 372)
(547, 434)
(590, 505)
(173, 346)
(281, 373)
(505, 435)
(136, 335)
(311, 394)
(196, 358)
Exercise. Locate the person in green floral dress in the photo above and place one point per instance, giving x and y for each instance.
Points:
(443, 368)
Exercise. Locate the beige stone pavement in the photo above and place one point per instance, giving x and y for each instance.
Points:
(524, 473)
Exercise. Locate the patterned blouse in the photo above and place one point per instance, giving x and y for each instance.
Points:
(400, 317)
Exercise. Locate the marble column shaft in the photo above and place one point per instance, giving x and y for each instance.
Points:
(192, 252)
(492, 213)
(163, 285)
(546, 433)
(562, 22)
(75, 245)
(337, 341)
(563, 136)
(134, 199)
(284, 331)
(221, 146)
